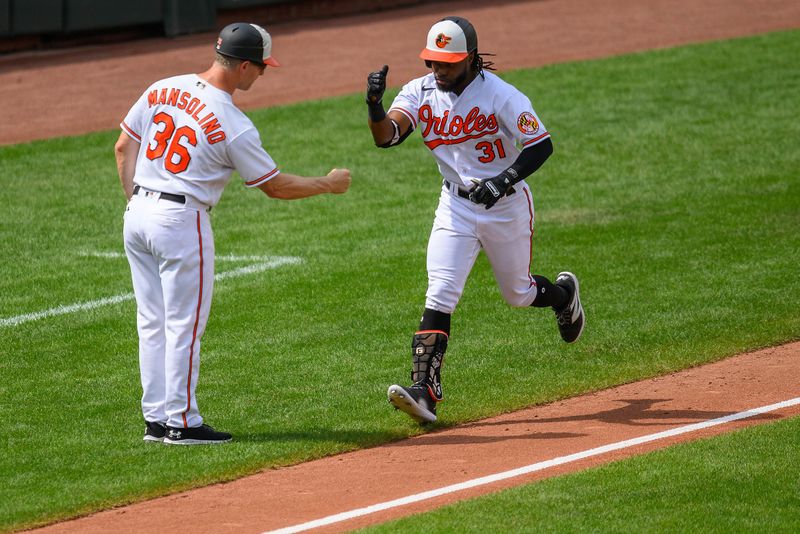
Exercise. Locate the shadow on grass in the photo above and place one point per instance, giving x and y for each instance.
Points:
(362, 438)
(635, 412)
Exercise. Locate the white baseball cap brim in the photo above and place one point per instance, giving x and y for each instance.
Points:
(446, 43)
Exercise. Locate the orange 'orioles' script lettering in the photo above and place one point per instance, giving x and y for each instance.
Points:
(458, 129)
(193, 107)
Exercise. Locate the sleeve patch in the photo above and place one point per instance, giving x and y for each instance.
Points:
(527, 123)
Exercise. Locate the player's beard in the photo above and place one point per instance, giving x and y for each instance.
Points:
(450, 86)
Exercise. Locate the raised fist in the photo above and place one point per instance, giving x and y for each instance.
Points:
(376, 85)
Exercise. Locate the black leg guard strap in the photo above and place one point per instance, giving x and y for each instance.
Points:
(427, 350)
(435, 320)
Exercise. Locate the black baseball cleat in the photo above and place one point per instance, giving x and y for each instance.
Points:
(154, 431)
(571, 317)
(415, 401)
(200, 435)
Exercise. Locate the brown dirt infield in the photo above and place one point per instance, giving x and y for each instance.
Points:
(77, 91)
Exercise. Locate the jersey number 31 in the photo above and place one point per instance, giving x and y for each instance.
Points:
(169, 140)
(489, 150)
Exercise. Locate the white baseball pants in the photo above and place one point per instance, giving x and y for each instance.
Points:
(462, 228)
(170, 248)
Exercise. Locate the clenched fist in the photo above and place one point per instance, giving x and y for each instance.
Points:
(489, 190)
(339, 180)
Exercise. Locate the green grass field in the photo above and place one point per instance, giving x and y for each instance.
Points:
(673, 194)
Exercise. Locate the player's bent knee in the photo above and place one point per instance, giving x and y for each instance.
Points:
(440, 306)
(518, 300)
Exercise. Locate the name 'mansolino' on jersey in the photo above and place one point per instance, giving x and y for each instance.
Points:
(193, 107)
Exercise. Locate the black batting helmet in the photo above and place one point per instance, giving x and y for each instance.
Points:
(245, 41)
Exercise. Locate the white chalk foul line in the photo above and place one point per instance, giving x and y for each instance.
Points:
(103, 254)
(267, 262)
(540, 466)
(225, 257)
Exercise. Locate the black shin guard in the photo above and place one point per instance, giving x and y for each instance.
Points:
(427, 350)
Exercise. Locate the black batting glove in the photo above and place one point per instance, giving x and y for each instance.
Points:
(490, 190)
(376, 85)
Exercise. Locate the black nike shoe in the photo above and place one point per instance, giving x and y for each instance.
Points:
(416, 401)
(154, 431)
(200, 435)
(571, 317)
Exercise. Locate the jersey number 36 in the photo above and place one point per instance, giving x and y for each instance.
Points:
(169, 140)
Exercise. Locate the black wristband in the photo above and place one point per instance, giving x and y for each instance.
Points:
(509, 176)
(376, 111)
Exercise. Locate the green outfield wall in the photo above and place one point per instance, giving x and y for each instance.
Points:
(30, 24)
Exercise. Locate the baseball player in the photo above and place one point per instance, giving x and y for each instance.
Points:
(180, 143)
(486, 139)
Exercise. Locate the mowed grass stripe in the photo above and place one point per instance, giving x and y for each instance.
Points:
(672, 194)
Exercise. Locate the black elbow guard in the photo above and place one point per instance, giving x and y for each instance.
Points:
(397, 138)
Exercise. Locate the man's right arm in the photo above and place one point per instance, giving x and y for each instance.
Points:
(126, 150)
(387, 130)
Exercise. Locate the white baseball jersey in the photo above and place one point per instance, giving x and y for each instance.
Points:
(174, 118)
(477, 134)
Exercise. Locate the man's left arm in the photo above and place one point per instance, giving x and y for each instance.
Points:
(287, 186)
(490, 190)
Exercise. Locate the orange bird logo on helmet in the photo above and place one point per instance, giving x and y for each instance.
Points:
(442, 40)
